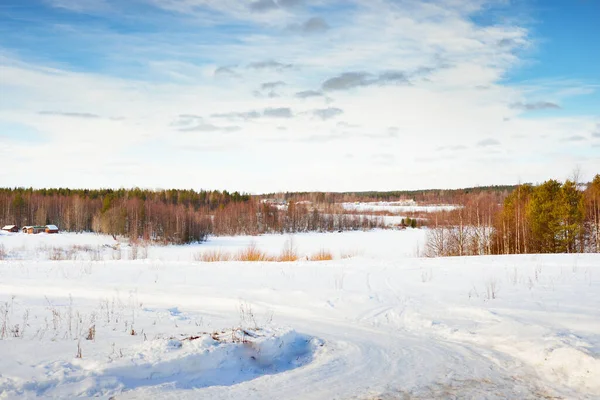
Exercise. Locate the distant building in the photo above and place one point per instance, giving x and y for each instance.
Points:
(274, 202)
(33, 230)
(11, 228)
(51, 229)
(407, 202)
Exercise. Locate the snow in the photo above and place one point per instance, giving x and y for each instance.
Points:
(52, 227)
(373, 244)
(381, 324)
(395, 207)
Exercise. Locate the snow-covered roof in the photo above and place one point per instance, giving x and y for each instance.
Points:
(9, 227)
(52, 227)
(27, 227)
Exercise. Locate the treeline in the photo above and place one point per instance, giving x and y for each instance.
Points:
(428, 196)
(256, 217)
(553, 217)
(172, 216)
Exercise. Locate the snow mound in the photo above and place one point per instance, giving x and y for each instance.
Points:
(573, 366)
(225, 358)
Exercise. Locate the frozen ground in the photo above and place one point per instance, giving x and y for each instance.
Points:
(379, 325)
(395, 207)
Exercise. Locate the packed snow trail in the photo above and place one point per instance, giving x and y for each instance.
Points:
(364, 328)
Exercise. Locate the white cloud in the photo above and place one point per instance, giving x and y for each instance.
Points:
(188, 122)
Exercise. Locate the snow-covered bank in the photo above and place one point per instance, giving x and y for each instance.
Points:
(388, 244)
(387, 326)
(396, 207)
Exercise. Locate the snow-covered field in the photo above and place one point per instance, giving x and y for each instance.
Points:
(379, 325)
(395, 207)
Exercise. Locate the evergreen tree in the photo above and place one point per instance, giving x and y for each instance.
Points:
(593, 213)
(572, 216)
(545, 213)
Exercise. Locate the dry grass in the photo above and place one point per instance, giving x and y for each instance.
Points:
(212, 256)
(288, 255)
(322, 255)
(254, 254)
(350, 254)
(251, 253)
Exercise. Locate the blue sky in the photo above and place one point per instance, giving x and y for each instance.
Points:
(273, 95)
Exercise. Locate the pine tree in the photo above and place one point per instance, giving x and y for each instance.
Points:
(572, 215)
(593, 213)
(544, 213)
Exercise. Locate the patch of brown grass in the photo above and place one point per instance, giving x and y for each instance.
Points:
(212, 256)
(288, 255)
(322, 255)
(251, 253)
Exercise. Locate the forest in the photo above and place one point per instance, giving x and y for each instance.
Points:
(169, 216)
(426, 196)
(552, 217)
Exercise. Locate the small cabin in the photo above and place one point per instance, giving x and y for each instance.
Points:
(33, 230)
(11, 228)
(51, 229)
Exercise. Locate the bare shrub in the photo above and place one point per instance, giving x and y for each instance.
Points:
(437, 242)
(251, 253)
(79, 353)
(133, 252)
(144, 252)
(427, 276)
(212, 256)
(116, 253)
(87, 268)
(538, 272)
(96, 254)
(473, 292)
(491, 288)
(247, 316)
(5, 310)
(350, 254)
(3, 253)
(514, 276)
(456, 240)
(322, 255)
(56, 254)
(25, 322)
(71, 253)
(91, 333)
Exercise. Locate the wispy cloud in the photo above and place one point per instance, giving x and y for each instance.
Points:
(488, 142)
(71, 114)
(327, 113)
(540, 105)
(280, 112)
(350, 80)
(225, 71)
(575, 138)
(313, 25)
(269, 65)
(277, 112)
(309, 93)
(263, 5)
(272, 85)
(347, 80)
(204, 127)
